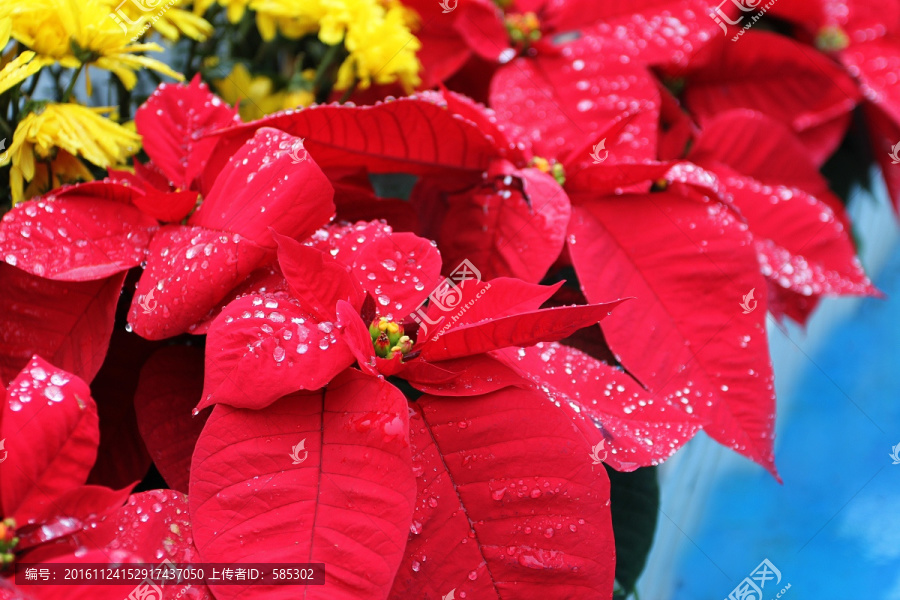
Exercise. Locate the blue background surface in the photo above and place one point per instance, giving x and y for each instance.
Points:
(833, 528)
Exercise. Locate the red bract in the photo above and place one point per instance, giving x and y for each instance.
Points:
(301, 339)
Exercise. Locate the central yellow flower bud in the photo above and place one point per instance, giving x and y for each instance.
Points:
(388, 338)
(524, 29)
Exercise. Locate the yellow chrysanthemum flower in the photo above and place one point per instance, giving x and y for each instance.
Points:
(165, 17)
(254, 97)
(82, 32)
(20, 68)
(376, 33)
(63, 169)
(78, 130)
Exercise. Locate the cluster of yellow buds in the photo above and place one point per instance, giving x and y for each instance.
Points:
(524, 29)
(553, 168)
(8, 541)
(388, 338)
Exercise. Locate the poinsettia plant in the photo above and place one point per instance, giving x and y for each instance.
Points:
(431, 341)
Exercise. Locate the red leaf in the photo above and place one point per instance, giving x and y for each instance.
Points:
(153, 525)
(755, 145)
(173, 122)
(782, 79)
(508, 505)
(74, 239)
(377, 137)
(637, 428)
(345, 497)
(513, 225)
(168, 207)
(68, 322)
(170, 386)
(263, 187)
(83, 503)
(802, 245)
(396, 269)
(49, 422)
(190, 269)
(567, 99)
(689, 254)
(652, 32)
(523, 329)
(316, 279)
(265, 346)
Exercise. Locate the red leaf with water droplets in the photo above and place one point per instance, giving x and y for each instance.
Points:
(802, 245)
(650, 32)
(74, 239)
(263, 187)
(173, 122)
(69, 322)
(316, 279)
(784, 80)
(396, 269)
(636, 428)
(508, 503)
(345, 499)
(170, 386)
(690, 254)
(83, 503)
(265, 346)
(190, 269)
(570, 99)
(758, 146)
(83, 588)
(49, 422)
(512, 225)
(153, 525)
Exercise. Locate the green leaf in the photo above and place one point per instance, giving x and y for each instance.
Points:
(634, 501)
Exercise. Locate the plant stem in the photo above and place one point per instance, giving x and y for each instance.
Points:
(67, 95)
